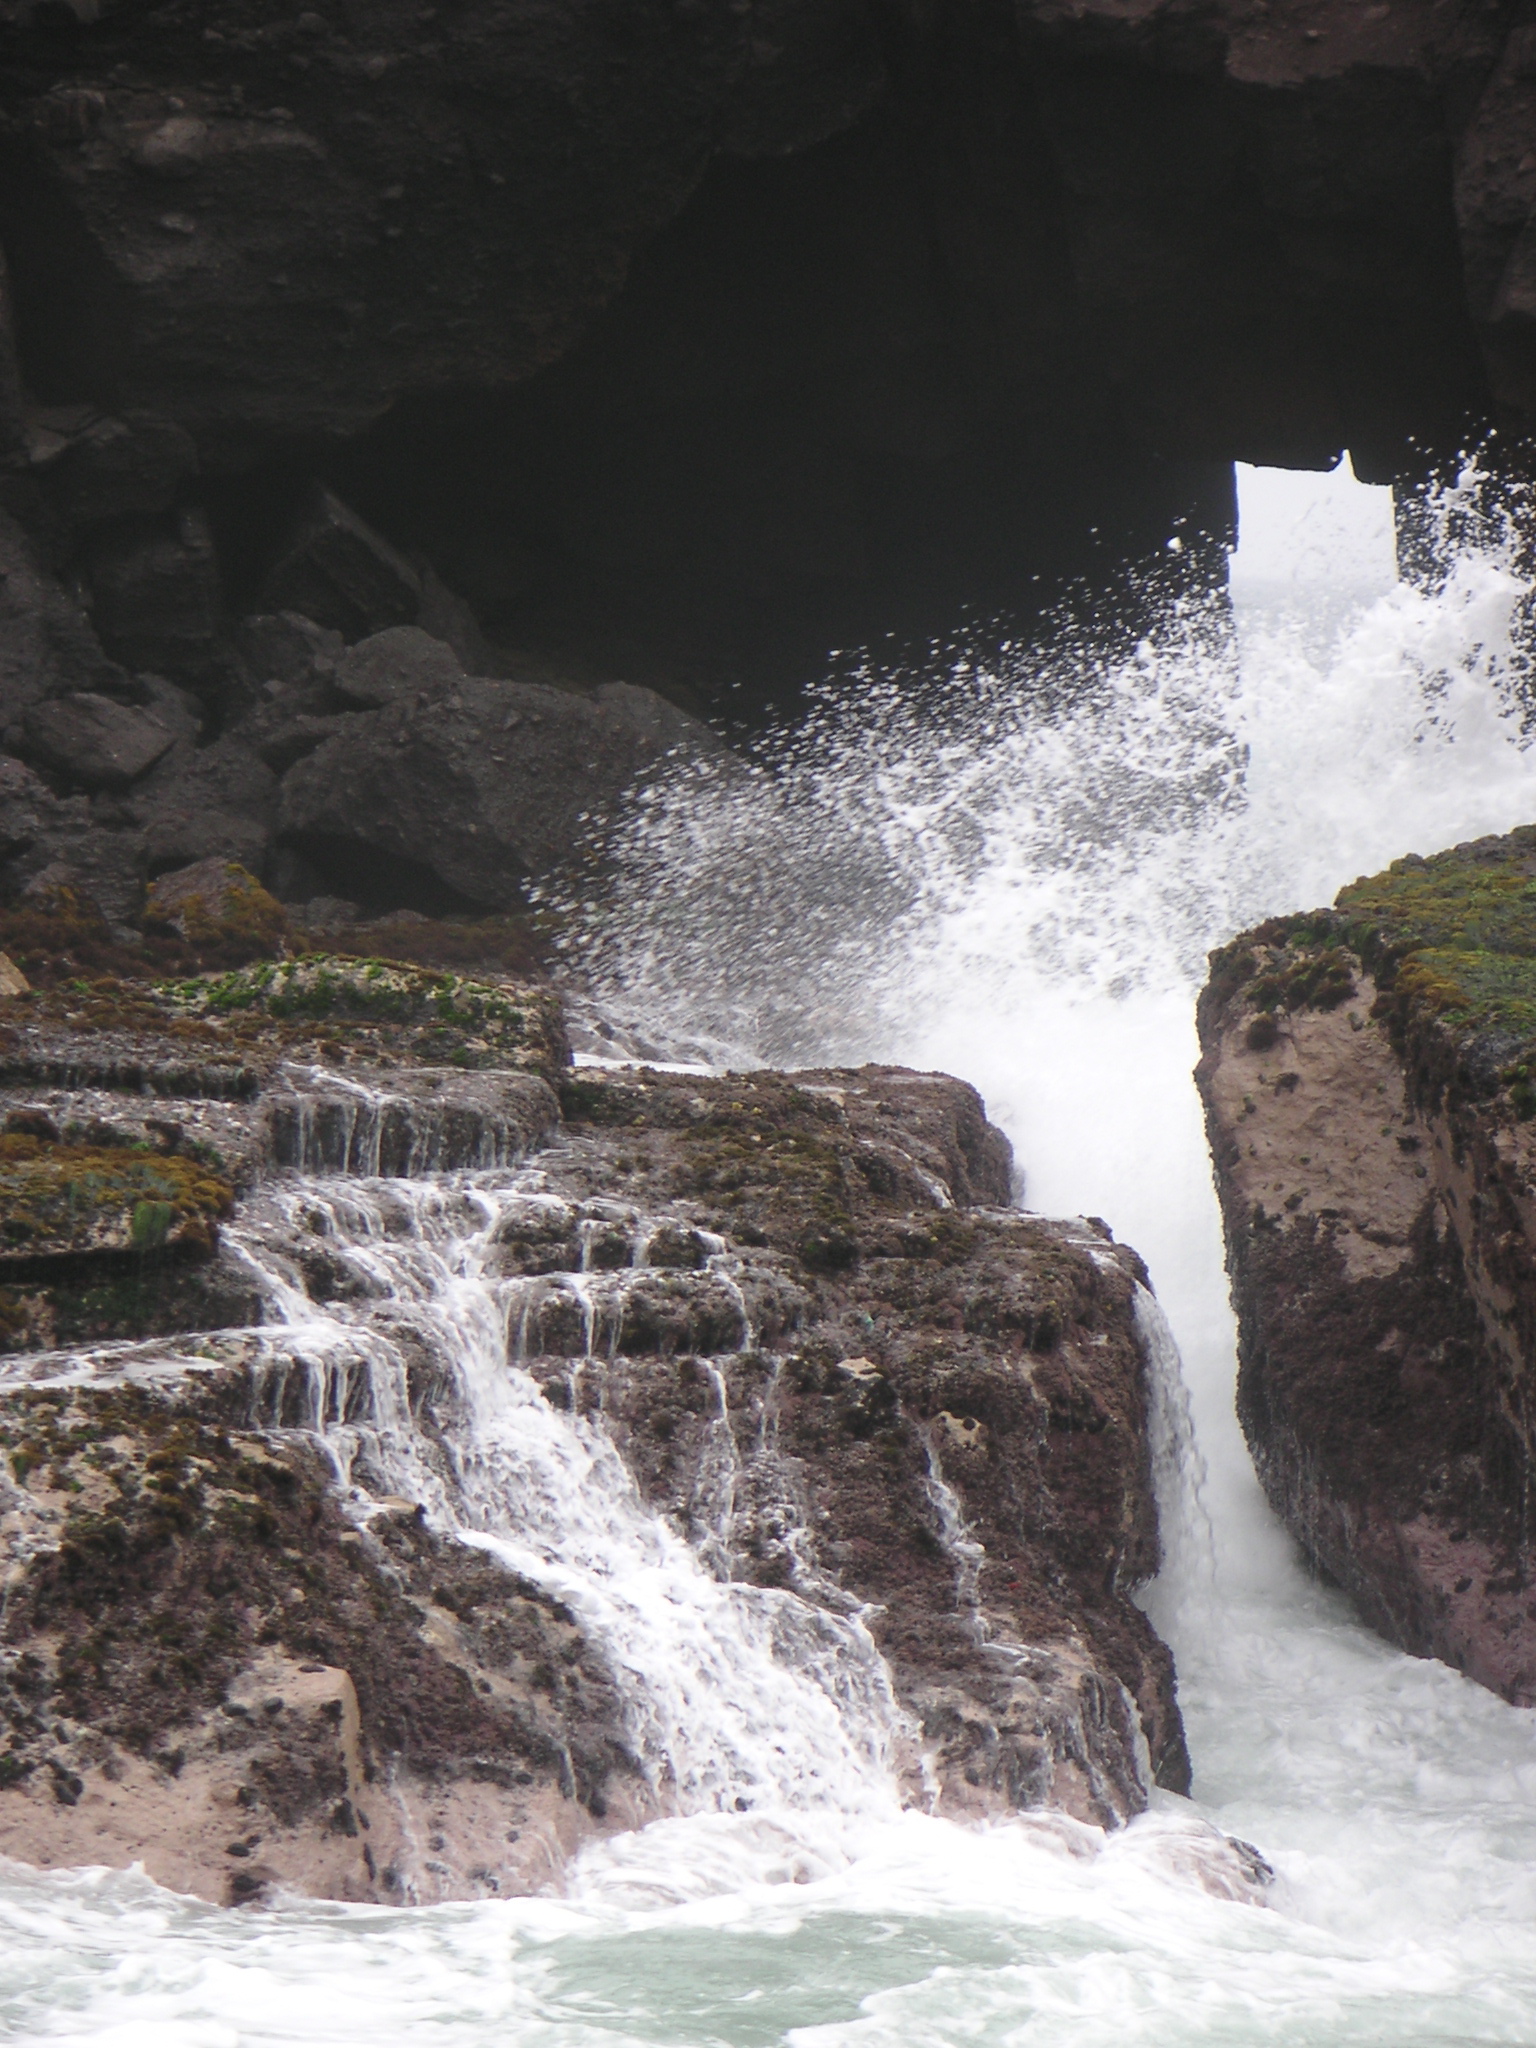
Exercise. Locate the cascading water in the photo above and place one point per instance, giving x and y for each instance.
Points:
(1012, 871)
(736, 1695)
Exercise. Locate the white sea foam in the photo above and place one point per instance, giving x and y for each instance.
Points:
(1012, 873)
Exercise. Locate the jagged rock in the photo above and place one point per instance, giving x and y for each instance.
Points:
(337, 571)
(215, 901)
(287, 648)
(1366, 1074)
(484, 782)
(157, 596)
(217, 802)
(12, 981)
(937, 1421)
(400, 662)
(47, 647)
(103, 468)
(96, 741)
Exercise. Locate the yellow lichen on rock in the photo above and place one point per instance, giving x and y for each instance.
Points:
(217, 903)
(58, 1199)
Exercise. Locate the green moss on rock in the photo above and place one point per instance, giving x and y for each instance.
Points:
(60, 1199)
(420, 1014)
(1450, 941)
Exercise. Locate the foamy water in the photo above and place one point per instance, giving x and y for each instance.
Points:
(1013, 877)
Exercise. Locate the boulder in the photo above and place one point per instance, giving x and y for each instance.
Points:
(447, 616)
(486, 783)
(51, 844)
(96, 741)
(47, 646)
(337, 571)
(216, 802)
(216, 903)
(1367, 1080)
(400, 662)
(286, 648)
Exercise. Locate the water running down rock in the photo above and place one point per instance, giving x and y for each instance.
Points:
(1365, 1776)
(687, 1385)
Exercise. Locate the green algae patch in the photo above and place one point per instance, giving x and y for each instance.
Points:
(1450, 941)
(385, 1008)
(1477, 898)
(59, 1199)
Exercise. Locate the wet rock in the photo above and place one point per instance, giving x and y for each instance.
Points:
(248, 1665)
(223, 1036)
(484, 782)
(62, 1199)
(1365, 1073)
(402, 1124)
(285, 1699)
(97, 742)
(334, 569)
(881, 1422)
(400, 662)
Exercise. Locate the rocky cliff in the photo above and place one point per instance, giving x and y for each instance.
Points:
(1367, 1079)
(687, 341)
(280, 1606)
(645, 346)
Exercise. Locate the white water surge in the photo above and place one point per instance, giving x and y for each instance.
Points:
(1013, 872)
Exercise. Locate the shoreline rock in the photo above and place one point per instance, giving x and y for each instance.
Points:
(932, 1409)
(1365, 1072)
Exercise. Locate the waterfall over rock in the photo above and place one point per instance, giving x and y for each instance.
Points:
(593, 1462)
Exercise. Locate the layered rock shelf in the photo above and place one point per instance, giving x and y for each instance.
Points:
(832, 1358)
(1367, 1074)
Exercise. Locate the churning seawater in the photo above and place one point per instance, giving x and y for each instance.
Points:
(1011, 869)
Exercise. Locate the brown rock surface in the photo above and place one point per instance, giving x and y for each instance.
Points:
(1365, 1079)
(828, 1352)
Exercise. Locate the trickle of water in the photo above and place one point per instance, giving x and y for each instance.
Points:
(736, 1694)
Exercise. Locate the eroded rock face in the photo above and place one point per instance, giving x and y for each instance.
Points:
(631, 321)
(1365, 1075)
(214, 1671)
(827, 1351)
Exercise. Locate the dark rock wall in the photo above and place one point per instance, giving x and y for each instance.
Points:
(687, 340)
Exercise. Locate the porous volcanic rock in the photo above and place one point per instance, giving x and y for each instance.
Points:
(1366, 1072)
(823, 1343)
